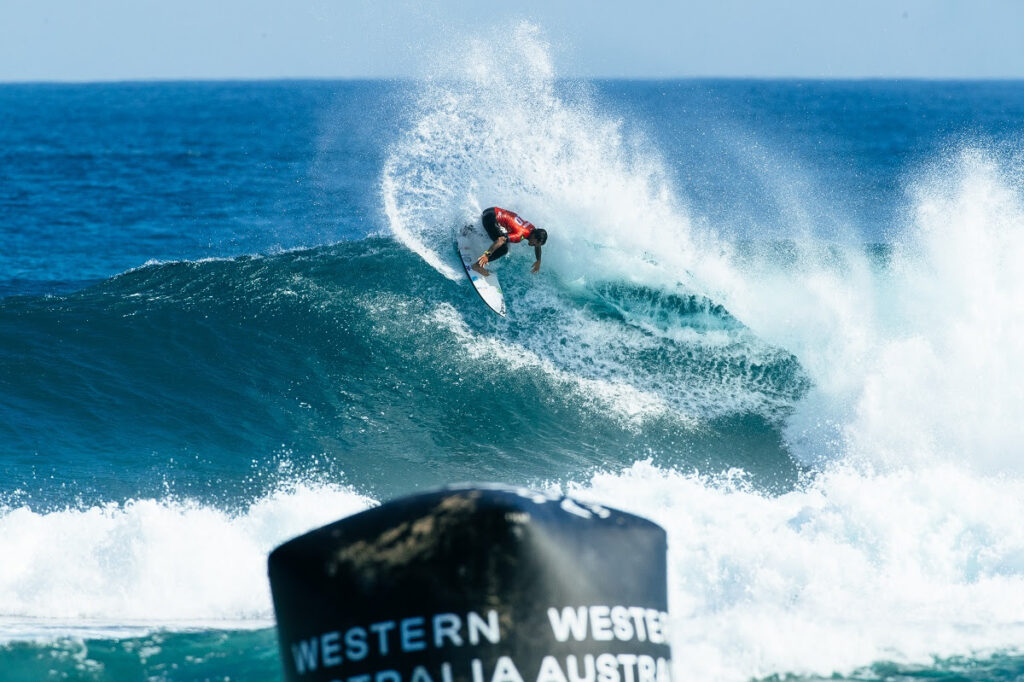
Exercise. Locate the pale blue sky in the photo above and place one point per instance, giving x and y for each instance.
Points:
(76, 40)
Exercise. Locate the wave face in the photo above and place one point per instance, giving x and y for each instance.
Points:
(358, 359)
(790, 337)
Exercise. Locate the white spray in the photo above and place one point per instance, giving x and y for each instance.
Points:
(905, 545)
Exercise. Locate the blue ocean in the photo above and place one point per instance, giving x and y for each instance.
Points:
(784, 319)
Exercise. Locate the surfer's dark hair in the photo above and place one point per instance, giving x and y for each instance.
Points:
(541, 235)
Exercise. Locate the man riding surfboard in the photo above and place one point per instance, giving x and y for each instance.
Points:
(503, 227)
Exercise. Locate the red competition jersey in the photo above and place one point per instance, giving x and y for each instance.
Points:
(517, 228)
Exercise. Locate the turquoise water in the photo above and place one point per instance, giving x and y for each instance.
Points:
(781, 318)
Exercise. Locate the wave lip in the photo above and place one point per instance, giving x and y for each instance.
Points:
(499, 128)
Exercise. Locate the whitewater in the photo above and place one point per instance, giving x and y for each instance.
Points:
(824, 415)
(903, 544)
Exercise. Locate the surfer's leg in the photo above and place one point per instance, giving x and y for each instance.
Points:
(494, 231)
(491, 224)
(495, 255)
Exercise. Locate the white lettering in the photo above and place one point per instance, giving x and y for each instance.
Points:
(600, 624)
(574, 672)
(505, 671)
(330, 649)
(420, 674)
(412, 635)
(654, 626)
(305, 655)
(638, 621)
(477, 626)
(621, 623)
(607, 668)
(355, 644)
(627, 661)
(664, 671)
(382, 629)
(550, 671)
(447, 625)
(646, 670)
(570, 620)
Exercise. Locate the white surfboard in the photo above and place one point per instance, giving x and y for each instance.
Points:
(470, 242)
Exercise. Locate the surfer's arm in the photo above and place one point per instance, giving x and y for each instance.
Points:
(482, 260)
(536, 252)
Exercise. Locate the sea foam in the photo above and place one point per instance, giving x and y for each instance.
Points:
(843, 572)
(151, 563)
(904, 543)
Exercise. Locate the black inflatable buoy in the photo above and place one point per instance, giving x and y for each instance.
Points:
(475, 585)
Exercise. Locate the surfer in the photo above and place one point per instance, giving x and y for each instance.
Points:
(503, 227)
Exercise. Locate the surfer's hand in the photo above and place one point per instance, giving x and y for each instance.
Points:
(536, 268)
(483, 260)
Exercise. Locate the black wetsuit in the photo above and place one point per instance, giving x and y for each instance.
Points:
(494, 231)
(500, 222)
